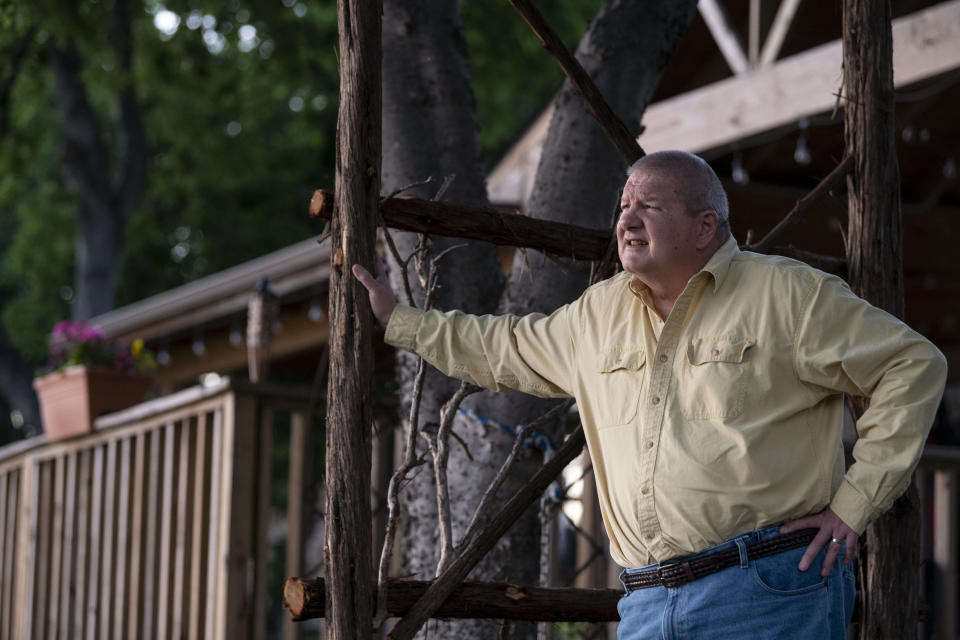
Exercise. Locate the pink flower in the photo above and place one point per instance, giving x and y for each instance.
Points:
(89, 334)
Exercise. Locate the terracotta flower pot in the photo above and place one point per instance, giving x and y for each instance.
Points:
(70, 400)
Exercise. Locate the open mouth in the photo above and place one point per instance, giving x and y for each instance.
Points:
(637, 243)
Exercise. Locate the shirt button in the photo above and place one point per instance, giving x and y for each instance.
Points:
(656, 400)
(663, 358)
(649, 444)
(644, 491)
(715, 352)
(650, 536)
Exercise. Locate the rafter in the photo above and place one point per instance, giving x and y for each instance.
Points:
(724, 34)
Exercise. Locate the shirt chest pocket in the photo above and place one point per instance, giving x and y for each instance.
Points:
(715, 378)
(621, 374)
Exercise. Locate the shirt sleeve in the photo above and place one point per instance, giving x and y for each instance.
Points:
(845, 344)
(533, 353)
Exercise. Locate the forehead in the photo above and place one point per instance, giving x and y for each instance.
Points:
(651, 183)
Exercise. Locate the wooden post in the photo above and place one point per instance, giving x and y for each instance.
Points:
(945, 544)
(347, 547)
(889, 564)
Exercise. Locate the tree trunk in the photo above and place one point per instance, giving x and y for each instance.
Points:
(430, 130)
(890, 561)
(625, 50)
(105, 204)
(347, 547)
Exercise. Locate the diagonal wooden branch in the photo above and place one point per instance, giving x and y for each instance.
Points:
(779, 233)
(481, 513)
(477, 548)
(616, 130)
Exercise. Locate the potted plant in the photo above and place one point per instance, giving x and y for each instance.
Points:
(88, 375)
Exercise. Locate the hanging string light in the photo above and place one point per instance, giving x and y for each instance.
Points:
(801, 155)
(738, 173)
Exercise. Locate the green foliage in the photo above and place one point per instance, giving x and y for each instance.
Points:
(239, 131)
(239, 100)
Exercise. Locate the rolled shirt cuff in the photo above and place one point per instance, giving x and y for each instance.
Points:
(402, 327)
(852, 507)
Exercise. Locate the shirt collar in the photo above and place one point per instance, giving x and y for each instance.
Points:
(719, 264)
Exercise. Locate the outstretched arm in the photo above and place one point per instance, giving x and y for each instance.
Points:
(382, 300)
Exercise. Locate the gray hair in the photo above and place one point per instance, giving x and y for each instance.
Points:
(702, 188)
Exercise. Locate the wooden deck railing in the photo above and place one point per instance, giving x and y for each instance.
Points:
(152, 526)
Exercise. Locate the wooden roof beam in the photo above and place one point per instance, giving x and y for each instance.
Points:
(796, 87)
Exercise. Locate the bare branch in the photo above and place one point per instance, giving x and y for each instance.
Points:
(481, 512)
(441, 455)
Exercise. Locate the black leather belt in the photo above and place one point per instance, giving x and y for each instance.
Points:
(675, 574)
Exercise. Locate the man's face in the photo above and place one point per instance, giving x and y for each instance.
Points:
(656, 236)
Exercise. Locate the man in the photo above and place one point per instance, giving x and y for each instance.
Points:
(710, 384)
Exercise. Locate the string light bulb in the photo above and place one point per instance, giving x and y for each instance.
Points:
(738, 173)
(801, 155)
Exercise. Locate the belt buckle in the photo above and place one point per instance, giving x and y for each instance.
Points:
(672, 575)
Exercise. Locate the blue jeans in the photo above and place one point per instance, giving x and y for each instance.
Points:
(760, 599)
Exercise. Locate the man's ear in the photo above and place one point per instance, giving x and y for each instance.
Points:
(707, 222)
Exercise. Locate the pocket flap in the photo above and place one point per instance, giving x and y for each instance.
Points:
(631, 359)
(703, 350)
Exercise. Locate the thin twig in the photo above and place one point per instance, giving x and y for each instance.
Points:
(484, 507)
(394, 194)
(393, 492)
(441, 456)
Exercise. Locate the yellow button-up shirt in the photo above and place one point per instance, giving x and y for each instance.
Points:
(727, 416)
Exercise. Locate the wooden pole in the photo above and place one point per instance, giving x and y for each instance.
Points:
(347, 547)
(304, 597)
(890, 560)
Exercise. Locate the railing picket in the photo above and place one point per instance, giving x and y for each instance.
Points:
(213, 552)
(96, 543)
(135, 606)
(200, 485)
(83, 518)
(43, 545)
(124, 508)
(149, 554)
(56, 549)
(26, 549)
(264, 432)
(166, 526)
(70, 487)
(109, 550)
(177, 627)
(8, 535)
